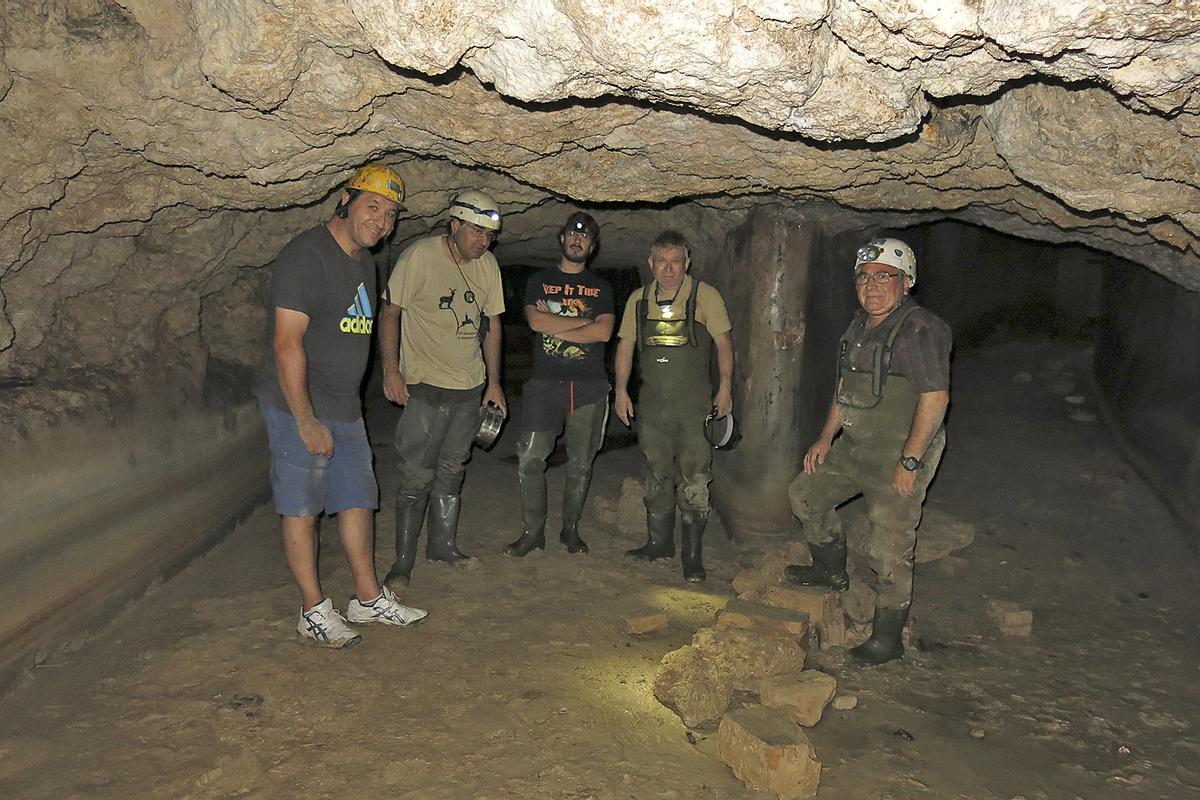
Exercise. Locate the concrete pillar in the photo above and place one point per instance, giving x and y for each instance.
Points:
(786, 282)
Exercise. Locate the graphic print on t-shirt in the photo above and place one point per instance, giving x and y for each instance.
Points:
(566, 307)
(360, 317)
(466, 315)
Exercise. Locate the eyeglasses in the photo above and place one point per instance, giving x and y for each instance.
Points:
(879, 278)
(578, 235)
(481, 232)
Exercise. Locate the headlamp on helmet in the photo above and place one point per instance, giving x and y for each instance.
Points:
(580, 222)
(477, 208)
(893, 253)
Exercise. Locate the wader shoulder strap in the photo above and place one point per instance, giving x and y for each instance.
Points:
(690, 312)
(905, 313)
(642, 313)
(881, 358)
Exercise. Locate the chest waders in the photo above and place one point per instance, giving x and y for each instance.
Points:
(674, 358)
(877, 411)
(875, 422)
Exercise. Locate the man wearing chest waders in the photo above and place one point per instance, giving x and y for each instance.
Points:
(673, 324)
(892, 391)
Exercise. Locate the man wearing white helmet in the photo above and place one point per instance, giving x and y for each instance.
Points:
(892, 391)
(439, 343)
(323, 293)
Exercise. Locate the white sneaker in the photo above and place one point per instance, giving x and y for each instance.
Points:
(325, 626)
(386, 609)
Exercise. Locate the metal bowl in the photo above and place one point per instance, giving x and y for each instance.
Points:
(721, 432)
(491, 420)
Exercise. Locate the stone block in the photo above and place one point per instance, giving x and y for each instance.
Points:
(769, 619)
(693, 686)
(746, 657)
(646, 623)
(823, 606)
(802, 697)
(1012, 619)
(769, 752)
(749, 582)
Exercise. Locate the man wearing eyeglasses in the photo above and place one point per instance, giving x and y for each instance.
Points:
(570, 310)
(439, 343)
(892, 392)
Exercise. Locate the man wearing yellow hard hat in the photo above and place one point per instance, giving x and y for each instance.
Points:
(323, 296)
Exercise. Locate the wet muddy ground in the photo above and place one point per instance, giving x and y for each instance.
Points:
(523, 684)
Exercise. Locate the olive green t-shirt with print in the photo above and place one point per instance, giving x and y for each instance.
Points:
(442, 307)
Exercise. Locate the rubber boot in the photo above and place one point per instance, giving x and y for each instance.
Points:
(441, 543)
(661, 543)
(692, 532)
(828, 568)
(887, 641)
(575, 489)
(533, 517)
(410, 511)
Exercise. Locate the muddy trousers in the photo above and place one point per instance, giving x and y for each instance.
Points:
(583, 436)
(854, 468)
(433, 442)
(678, 457)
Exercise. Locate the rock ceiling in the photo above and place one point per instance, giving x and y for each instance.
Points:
(158, 146)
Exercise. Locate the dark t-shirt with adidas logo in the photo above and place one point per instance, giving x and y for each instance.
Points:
(314, 276)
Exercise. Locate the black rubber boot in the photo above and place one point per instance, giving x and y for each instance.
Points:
(441, 544)
(661, 543)
(410, 511)
(692, 532)
(575, 489)
(828, 568)
(887, 641)
(533, 517)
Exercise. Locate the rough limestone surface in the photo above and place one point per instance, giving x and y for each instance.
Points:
(747, 657)
(768, 751)
(823, 606)
(159, 154)
(695, 687)
(774, 621)
(803, 697)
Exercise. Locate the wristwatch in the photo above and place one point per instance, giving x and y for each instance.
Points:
(911, 463)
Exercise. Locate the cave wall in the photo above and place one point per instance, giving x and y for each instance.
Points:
(1147, 368)
(985, 283)
(96, 513)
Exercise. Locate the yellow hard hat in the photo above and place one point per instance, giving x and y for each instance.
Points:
(380, 179)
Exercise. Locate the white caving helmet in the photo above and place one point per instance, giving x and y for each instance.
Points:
(478, 208)
(892, 252)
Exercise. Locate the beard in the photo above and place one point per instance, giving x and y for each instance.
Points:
(576, 255)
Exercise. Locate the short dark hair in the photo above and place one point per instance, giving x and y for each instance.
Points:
(671, 238)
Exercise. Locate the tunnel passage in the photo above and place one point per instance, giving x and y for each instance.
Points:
(187, 143)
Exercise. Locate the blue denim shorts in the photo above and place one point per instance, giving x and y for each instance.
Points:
(304, 485)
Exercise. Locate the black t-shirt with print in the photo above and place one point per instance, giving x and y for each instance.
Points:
(314, 276)
(583, 294)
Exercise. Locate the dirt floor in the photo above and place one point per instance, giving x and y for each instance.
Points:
(523, 684)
